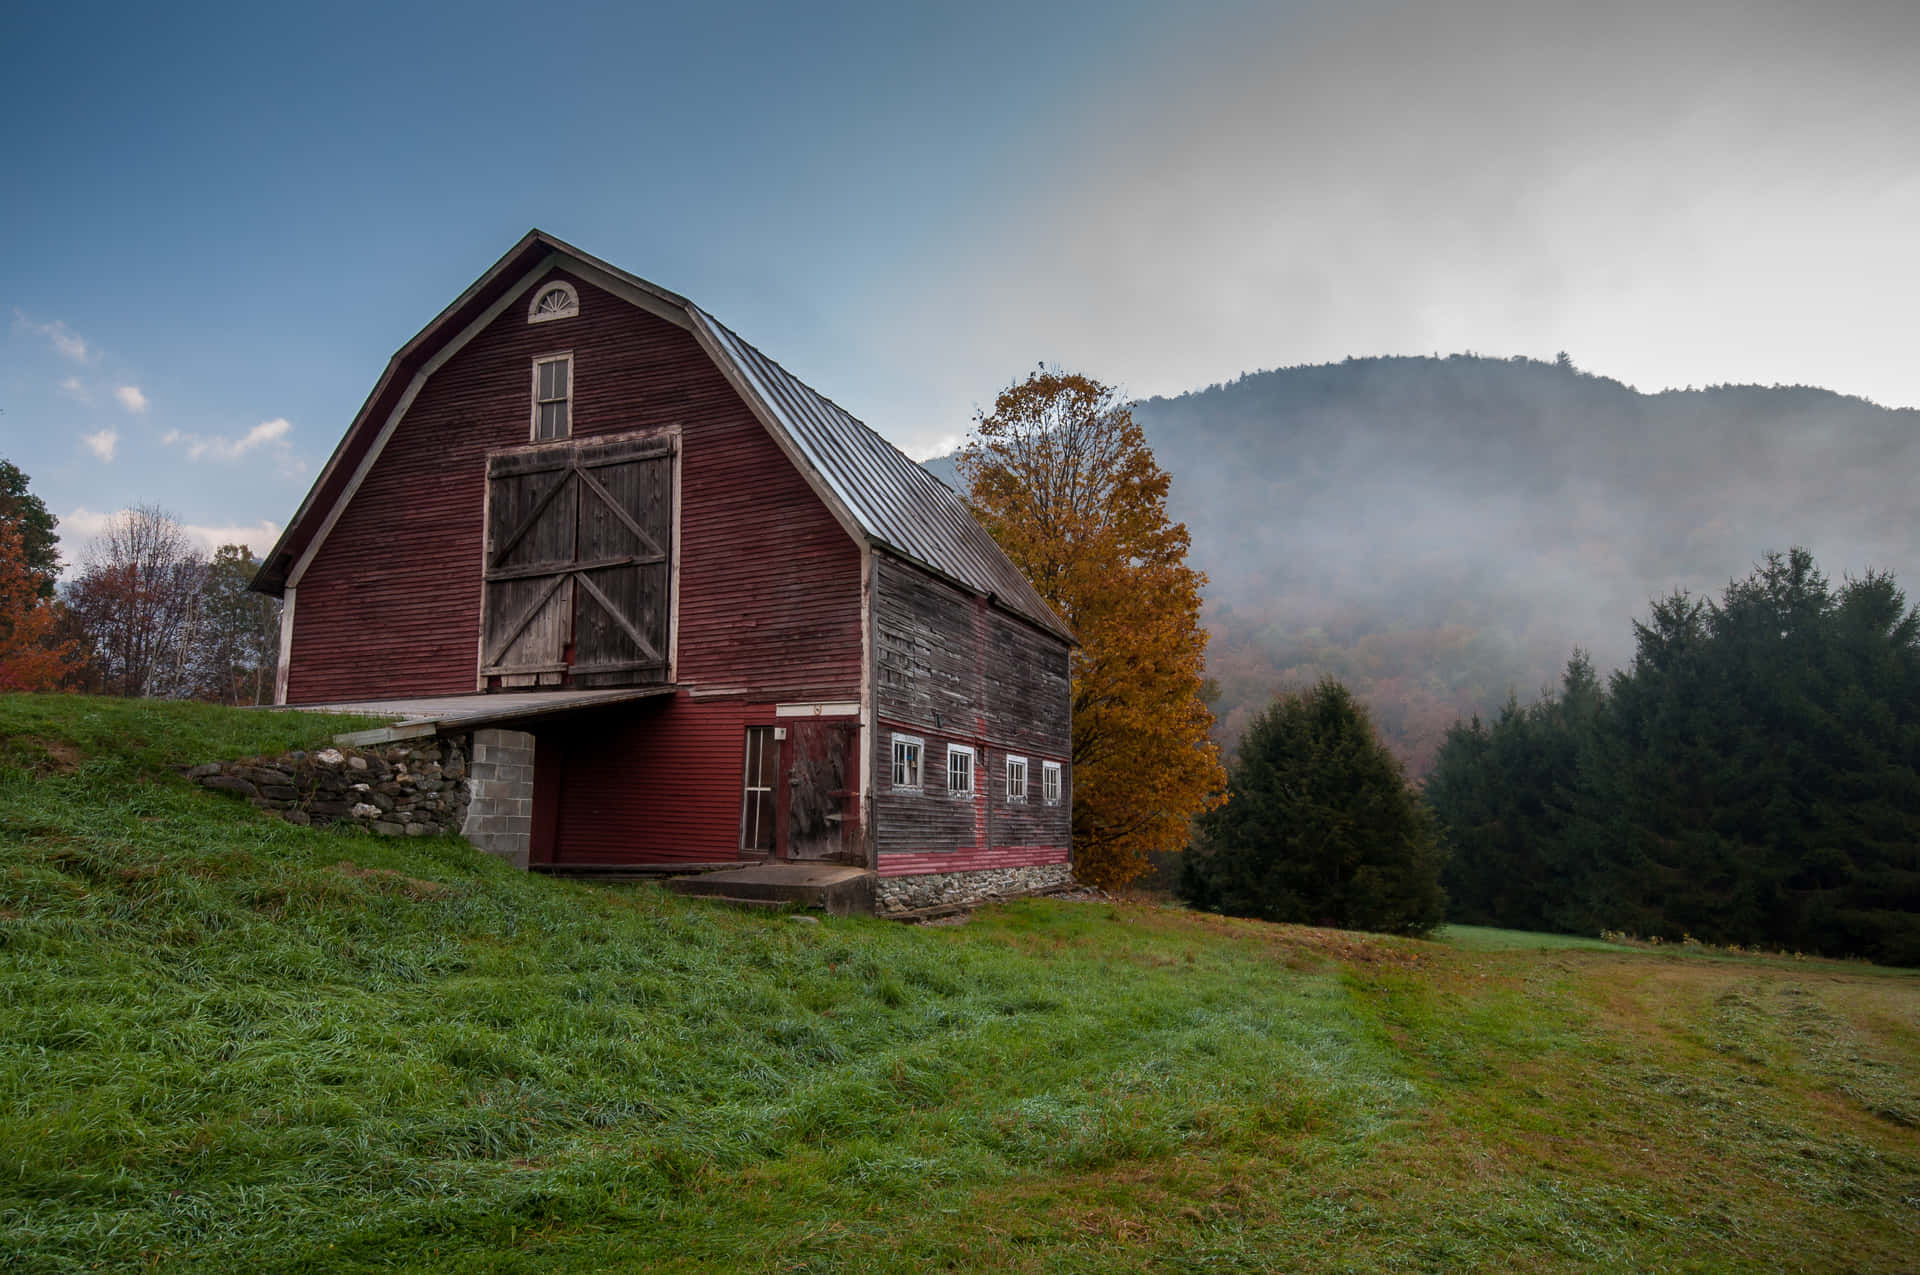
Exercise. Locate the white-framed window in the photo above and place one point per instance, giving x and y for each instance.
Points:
(556, 300)
(1050, 782)
(959, 770)
(1016, 779)
(552, 396)
(908, 752)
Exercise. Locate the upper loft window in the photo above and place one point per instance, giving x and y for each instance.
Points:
(552, 397)
(554, 301)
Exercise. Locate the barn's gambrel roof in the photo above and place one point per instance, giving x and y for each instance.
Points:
(878, 494)
(898, 505)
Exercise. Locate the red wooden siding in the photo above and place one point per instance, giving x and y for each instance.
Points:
(659, 784)
(970, 860)
(769, 582)
(655, 782)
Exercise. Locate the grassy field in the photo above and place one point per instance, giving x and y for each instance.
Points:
(231, 1044)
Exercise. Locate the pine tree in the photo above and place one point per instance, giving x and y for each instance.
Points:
(1505, 794)
(1752, 777)
(27, 515)
(1320, 826)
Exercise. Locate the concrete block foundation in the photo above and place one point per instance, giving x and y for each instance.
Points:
(500, 794)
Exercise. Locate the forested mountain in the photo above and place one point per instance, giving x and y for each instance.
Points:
(1440, 532)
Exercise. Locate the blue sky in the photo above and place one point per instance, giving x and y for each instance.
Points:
(222, 220)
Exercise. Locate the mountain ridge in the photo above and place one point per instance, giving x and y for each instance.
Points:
(1442, 530)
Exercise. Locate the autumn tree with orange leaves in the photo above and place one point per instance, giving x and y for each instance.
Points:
(33, 655)
(1063, 478)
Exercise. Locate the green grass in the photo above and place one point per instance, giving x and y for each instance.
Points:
(228, 1043)
(1480, 938)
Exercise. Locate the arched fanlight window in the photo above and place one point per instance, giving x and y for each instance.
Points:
(553, 301)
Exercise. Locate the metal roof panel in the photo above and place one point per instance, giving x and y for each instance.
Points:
(899, 505)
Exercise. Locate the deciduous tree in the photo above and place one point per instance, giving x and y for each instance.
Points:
(33, 655)
(138, 600)
(240, 632)
(1062, 476)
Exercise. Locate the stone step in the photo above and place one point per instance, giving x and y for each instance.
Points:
(836, 888)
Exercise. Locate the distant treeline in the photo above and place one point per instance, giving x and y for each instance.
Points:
(1751, 777)
(146, 614)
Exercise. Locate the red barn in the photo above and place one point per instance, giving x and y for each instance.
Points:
(689, 611)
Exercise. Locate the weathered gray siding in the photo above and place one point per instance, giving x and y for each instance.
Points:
(952, 669)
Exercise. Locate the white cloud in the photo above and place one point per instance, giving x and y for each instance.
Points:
(64, 339)
(927, 447)
(82, 524)
(268, 436)
(73, 387)
(1386, 176)
(103, 443)
(222, 448)
(131, 398)
(259, 536)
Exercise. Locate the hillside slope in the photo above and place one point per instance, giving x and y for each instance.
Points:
(227, 1043)
(1441, 531)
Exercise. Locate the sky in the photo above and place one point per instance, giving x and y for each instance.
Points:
(221, 221)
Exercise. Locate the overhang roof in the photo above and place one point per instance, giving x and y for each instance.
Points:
(876, 492)
(419, 715)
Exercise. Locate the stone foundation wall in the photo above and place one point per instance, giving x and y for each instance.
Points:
(500, 818)
(416, 789)
(894, 895)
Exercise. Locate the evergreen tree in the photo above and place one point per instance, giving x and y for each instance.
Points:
(1504, 795)
(27, 515)
(1319, 827)
(1752, 777)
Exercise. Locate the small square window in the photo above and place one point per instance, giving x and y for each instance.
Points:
(907, 752)
(959, 770)
(1050, 782)
(553, 397)
(1016, 779)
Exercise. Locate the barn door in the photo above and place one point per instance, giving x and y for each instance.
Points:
(532, 514)
(579, 541)
(626, 528)
(821, 792)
